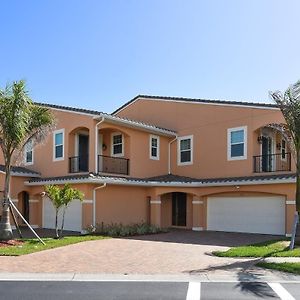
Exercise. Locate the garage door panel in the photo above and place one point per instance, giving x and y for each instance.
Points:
(247, 214)
(73, 216)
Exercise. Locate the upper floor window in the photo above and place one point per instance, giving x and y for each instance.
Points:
(237, 143)
(58, 144)
(283, 149)
(154, 147)
(117, 147)
(28, 153)
(185, 150)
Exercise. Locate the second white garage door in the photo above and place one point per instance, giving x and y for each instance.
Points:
(73, 216)
(264, 215)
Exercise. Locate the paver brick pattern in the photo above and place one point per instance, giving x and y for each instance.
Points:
(175, 252)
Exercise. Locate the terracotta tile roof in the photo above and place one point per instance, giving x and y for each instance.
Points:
(198, 100)
(21, 171)
(110, 117)
(166, 180)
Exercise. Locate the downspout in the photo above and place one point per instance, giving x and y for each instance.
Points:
(94, 201)
(169, 154)
(96, 144)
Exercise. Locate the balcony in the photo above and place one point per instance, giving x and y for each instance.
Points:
(78, 164)
(113, 165)
(280, 162)
(106, 164)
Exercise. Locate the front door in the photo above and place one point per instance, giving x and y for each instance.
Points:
(83, 153)
(25, 201)
(178, 209)
(266, 151)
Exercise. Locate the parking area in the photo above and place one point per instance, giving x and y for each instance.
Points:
(175, 252)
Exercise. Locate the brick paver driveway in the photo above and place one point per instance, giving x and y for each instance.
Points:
(176, 252)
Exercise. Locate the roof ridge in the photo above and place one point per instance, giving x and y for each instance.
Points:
(197, 100)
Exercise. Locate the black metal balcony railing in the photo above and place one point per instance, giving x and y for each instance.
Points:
(78, 164)
(113, 165)
(272, 163)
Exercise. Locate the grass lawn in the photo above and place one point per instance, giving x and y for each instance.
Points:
(33, 245)
(284, 267)
(267, 249)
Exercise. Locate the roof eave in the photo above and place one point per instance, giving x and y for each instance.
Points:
(130, 124)
(162, 184)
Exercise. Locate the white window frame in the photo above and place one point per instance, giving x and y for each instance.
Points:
(112, 145)
(285, 148)
(25, 154)
(150, 146)
(229, 131)
(179, 163)
(63, 144)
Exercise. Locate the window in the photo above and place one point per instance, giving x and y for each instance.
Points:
(29, 153)
(58, 144)
(185, 150)
(117, 148)
(237, 143)
(154, 147)
(283, 150)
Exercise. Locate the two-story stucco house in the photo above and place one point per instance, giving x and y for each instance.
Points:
(173, 162)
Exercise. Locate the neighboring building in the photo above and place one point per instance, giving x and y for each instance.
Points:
(187, 163)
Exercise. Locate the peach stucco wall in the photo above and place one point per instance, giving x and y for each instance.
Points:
(136, 147)
(121, 204)
(208, 124)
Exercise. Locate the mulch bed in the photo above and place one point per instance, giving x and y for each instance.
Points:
(10, 243)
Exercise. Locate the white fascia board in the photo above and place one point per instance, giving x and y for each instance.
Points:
(133, 124)
(161, 184)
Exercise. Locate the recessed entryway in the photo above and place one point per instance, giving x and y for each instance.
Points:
(179, 209)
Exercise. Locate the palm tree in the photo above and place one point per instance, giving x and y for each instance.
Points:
(21, 121)
(289, 104)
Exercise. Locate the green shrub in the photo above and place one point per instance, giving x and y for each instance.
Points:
(120, 230)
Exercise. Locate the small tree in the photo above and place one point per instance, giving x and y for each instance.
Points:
(68, 194)
(61, 198)
(21, 121)
(53, 192)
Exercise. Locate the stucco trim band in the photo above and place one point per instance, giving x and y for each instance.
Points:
(290, 202)
(197, 202)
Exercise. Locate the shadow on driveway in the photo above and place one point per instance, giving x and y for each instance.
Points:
(212, 238)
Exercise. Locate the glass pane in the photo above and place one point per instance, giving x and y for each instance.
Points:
(185, 144)
(58, 139)
(117, 139)
(154, 142)
(117, 149)
(154, 152)
(185, 156)
(58, 151)
(29, 157)
(237, 136)
(237, 150)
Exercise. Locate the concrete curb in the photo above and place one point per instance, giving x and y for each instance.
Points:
(204, 277)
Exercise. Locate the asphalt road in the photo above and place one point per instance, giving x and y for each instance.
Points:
(73, 290)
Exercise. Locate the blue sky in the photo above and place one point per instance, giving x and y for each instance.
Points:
(100, 54)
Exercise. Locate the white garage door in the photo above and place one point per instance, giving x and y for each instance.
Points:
(73, 216)
(247, 214)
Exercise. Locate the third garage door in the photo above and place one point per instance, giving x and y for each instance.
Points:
(264, 215)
